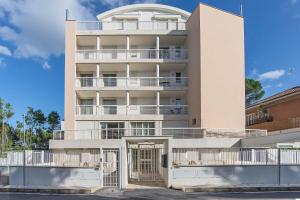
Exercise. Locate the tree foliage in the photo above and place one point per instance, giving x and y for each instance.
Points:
(253, 91)
(38, 128)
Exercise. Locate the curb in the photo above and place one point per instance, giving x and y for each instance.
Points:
(47, 190)
(239, 189)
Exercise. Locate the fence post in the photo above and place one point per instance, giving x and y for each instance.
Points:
(279, 166)
(24, 167)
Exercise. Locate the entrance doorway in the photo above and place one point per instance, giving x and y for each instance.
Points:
(145, 166)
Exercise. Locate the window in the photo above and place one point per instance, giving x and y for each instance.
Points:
(110, 80)
(110, 106)
(178, 77)
(86, 80)
(194, 121)
(178, 52)
(132, 24)
(142, 128)
(162, 24)
(86, 106)
(112, 130)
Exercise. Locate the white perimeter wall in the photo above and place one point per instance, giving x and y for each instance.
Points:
(235, 176)
(55, 176)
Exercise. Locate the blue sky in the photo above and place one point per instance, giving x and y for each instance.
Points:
(32, 45)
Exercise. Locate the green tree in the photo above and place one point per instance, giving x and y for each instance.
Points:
(253, 90)
(53, 121)
(35, 120)
(6, 112)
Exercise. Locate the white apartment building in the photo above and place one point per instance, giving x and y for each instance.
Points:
(146, 79)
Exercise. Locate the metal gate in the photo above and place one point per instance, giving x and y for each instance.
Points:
(111, 167)
(145, 163)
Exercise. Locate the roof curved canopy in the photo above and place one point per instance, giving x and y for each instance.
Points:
(139, 7)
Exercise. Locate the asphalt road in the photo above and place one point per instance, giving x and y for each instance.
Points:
(152, 194)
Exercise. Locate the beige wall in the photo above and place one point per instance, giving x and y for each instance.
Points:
(193, 70)
(70, 72)
(221, 74)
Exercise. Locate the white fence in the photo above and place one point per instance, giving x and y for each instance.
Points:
(57, 158)
(234, 156)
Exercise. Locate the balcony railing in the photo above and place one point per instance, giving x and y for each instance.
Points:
(131, 54)
(86, 82)
(177, 133)
(85, 110)
(135, 25)
(258, 118)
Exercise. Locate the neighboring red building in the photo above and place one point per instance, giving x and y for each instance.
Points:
(278, 112)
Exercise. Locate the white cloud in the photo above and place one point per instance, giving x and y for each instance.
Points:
(267, 87)
(46, 65)
(36, 27)
(5, 51)
(272, 75)
(293, 2)
(279, 85)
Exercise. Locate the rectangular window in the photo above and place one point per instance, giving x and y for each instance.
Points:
(110, 80)
(86, 80)
(110, 106)
(142, 128)
(86, 106)
(178, 77)
(112, 130)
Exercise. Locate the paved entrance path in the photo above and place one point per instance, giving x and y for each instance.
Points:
(155, 194)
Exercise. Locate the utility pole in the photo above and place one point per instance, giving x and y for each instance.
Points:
(24, 134)
(2, 131)
(24, 152)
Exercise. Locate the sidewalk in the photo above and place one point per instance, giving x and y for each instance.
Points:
(50, 190)
(241, 188)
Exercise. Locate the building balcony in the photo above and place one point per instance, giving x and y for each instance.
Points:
(130, 82)
(258, 119)
(131, 55)
(130, 25)
(93, 110)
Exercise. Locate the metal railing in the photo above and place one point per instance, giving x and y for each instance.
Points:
(242, 133)
(177, 133)
(180, 157)
(86, 82)
(230, 156)
(278, 126)
(173, 109)
(131, 54)
(82, 110)
(258, 118)
(235, 156)
(57, 158)
(130, 25)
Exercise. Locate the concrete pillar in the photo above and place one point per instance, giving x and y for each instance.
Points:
(157, 101)
(127, 101)
(127, 46)
(157, 46)
(98, 42)
(157, 74)
(97, 101)
(127, 73)
(97, 74)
